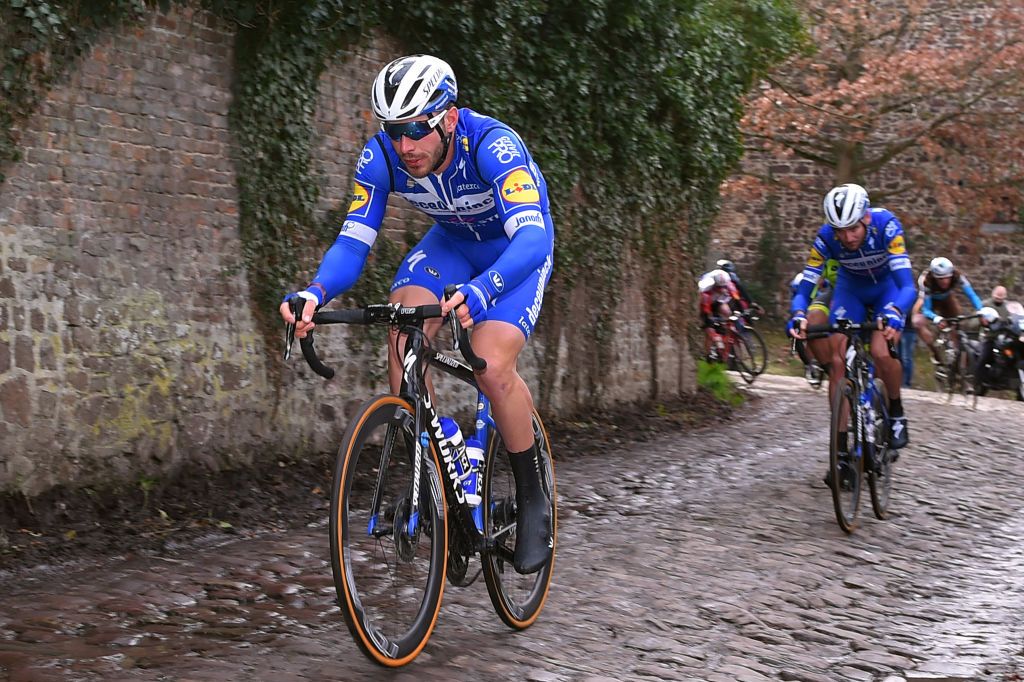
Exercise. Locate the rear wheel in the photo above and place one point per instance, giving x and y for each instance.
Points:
(388, 563)
(517, 598)
(845, 468)
(880, 471)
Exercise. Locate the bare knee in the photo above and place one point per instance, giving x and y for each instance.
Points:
(498, 380)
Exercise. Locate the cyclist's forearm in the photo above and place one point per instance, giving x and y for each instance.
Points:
(907, 295)
(526, 252)
(926, 308)
(802, 298)
(340, 268)
(973, 296)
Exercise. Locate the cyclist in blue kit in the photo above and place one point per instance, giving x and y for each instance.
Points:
(492, 235)
(874, 273)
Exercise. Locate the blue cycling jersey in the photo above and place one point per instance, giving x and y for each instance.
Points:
(881, 256)
(491, 190)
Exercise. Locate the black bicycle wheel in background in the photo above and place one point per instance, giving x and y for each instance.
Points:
(944, 381)
(389, 580)
(744, 358)
(880, 471)
(954, 371)
(845, 469)
(965, 368)
(517, 598)
(758, 349)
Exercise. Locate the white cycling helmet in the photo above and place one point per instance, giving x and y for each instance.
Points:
(941, 267)
(412, 86)
(845, 205)
(721, 278)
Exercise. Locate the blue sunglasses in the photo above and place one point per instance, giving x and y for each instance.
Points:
(414, 130)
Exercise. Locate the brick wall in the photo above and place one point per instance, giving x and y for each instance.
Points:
(127, 345)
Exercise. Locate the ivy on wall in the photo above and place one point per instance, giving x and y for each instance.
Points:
(630, 108)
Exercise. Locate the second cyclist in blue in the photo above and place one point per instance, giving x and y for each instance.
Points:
(874, 274)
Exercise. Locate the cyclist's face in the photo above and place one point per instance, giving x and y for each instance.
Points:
(944, 282)
(852, 237)
(420, 156)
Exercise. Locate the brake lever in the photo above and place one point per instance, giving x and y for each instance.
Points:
(453, 321)
(289, 328)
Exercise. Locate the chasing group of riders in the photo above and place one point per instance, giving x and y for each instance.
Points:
(858, 266)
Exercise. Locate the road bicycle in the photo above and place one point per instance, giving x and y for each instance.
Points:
(953, 373)
(400, 522)
(860, 407)
(733, 348)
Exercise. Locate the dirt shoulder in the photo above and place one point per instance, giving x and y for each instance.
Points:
(71, 526)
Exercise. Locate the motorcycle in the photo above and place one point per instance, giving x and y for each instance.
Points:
(1001, 366)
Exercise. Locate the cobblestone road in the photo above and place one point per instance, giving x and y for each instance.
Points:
(709, 555)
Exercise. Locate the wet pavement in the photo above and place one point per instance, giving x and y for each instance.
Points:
(706, 555)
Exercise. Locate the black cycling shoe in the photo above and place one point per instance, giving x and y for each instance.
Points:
(898, 436)
(534, 535)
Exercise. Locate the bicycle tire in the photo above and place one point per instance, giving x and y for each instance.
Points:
(952, 378)
(845, 498)
(517, 598)
(758, 349)
(943, 380)
(963, 360)
(391, 625)
(880, 472)
(743, 357)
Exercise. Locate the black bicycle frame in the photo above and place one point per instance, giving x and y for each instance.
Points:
(427, 425)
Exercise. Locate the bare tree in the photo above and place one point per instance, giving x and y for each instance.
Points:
(929, 91)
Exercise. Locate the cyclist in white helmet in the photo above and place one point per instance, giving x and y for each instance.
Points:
(874, 275)
(719, 298)
(492, 234)
(935, 288)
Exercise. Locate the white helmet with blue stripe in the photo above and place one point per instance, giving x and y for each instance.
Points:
(413, 86)
(941, 267)
(845, 205)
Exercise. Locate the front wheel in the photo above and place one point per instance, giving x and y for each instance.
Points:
(388, 558)
(880, 471)
(845, 468)
(517, 598)
(744, 357)
(758, 349)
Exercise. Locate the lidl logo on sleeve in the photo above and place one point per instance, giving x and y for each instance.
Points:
(815, 259)
(360, 198)
(897, 247)
(520, 188)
